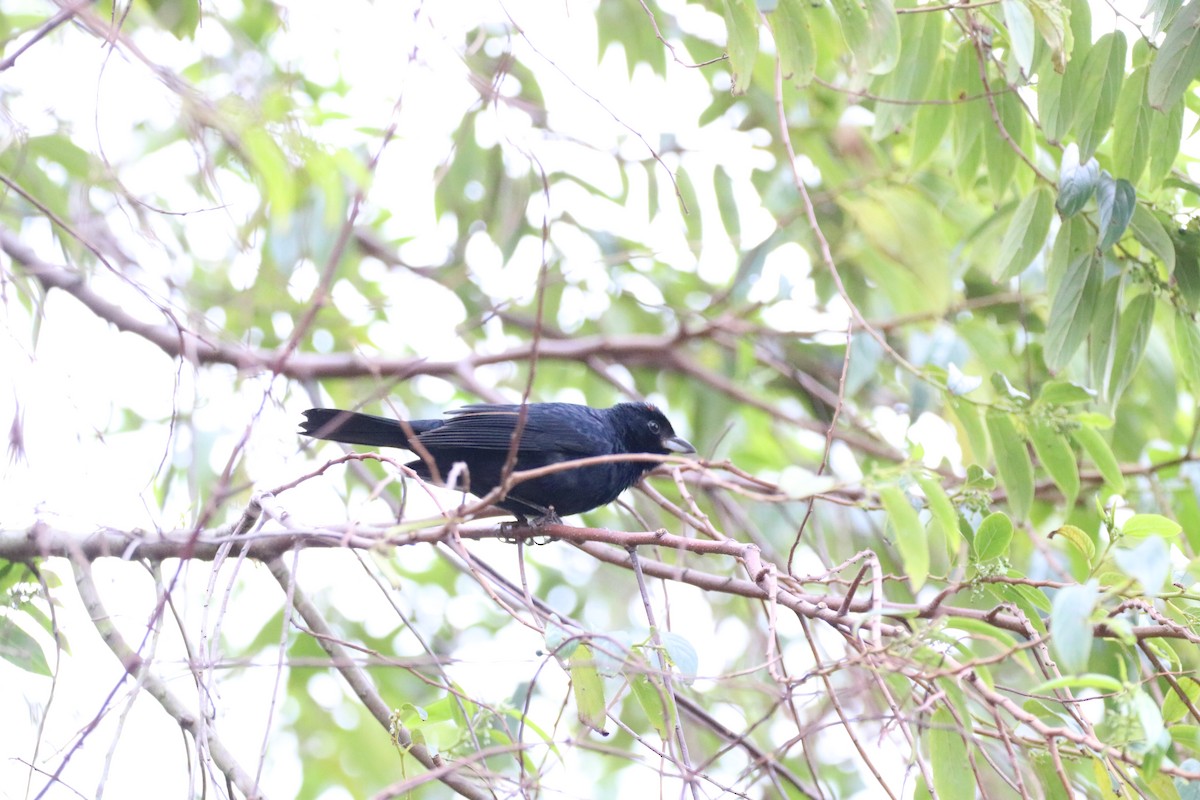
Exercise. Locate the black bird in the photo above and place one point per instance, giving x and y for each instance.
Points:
(480, 436)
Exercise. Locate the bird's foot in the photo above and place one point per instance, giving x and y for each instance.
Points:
(545, 517)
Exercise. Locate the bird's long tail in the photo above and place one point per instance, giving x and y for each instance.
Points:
(351, 427)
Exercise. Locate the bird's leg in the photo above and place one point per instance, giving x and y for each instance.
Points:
(544, 516)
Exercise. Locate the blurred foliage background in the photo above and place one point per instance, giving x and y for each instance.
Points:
(918, 280)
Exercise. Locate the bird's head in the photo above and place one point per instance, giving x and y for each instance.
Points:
(644, 429)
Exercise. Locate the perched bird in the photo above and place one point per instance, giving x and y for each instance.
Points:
(480, 437)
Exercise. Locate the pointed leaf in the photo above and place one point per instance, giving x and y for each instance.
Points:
(1187, 344)
(1012, 462)
(1139, 526)
(947, 755)
(993, 536)
(1078, 539)
(588, 689)
(1102, 337)
(1026, 234)
(1071, 312)
(910, 535)
(1019, 22)
(1115, 201)
(884, 27)
(1148, 230)
(1132, 334)
(967, 414)
(792, 29)
(1103, 73)
(1178, 59)
(741, 21)
(1131, 127)
(942, 510)
(1054, 451)
(1101, 455)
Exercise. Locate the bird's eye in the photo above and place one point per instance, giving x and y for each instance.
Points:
(655, 428)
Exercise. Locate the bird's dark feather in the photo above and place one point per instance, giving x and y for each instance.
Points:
(480, 436)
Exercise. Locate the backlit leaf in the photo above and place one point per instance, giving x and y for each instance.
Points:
(1026, 234)
(1094, 444)
(1071, 311)
(741, 21)
(947, 755)
(911, 540)
(1056, 455)
(1178, 59)
(1187, 345)
(1012, 462)
(792, 29)
(1071, 626)
(993, 536)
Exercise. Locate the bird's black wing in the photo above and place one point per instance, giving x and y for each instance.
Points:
(561, 427)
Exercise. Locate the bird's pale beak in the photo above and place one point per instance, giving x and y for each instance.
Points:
(677, 444)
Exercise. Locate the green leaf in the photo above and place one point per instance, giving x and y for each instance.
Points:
(1133, 333)
(1056, 455)
(911, 541)
(20, 649)
(1012, 462)
(1094, 444)
(1019, 22)
(1174, 709)
(1078, 539)
(792, 29)
(588, 689)
(180, 17)
(1187, 344)
(1064, 393)
(682, 654)
(855, 30)
(929, 132)
(1115, 201)
(1103, 73)
(967, 414)
(741, 21)
(993, 536)
(1088, 680)
(1140, 526)
(884, 27)
(942, 510)
(1131, 128)
(1102, 338)
(948, 755)
(914, 78)
(1166, 132)
(1026, 234)
(726, 203)
(1071, 626)
(1076, 182)
(1186, 246)
(1148, 230)
(1178, 59)
(1071, 311)
(658, 705)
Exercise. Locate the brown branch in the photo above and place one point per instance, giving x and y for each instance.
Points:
(41, 541)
